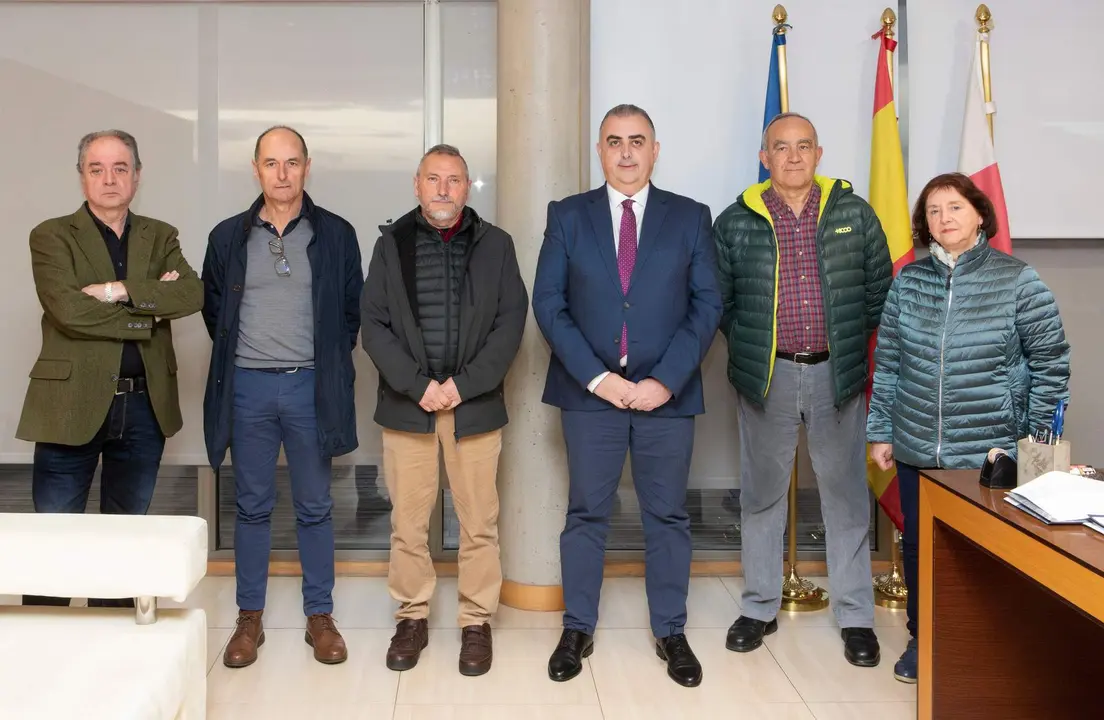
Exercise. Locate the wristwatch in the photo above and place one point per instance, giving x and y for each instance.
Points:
(107, 292)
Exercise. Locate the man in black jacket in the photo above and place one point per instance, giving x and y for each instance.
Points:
(282, 285)
(444, 309)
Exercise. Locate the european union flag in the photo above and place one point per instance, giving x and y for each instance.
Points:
(773, 105)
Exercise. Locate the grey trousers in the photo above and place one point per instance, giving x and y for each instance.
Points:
(837, 446)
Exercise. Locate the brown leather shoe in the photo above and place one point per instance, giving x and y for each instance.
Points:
(411, 637)
(322, 635)
(475, 650)
(249, 635)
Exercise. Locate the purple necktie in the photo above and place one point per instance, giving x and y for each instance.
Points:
(626, 258)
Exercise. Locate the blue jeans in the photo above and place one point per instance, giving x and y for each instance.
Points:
(271, 408)
(908, 485)
(130, 443)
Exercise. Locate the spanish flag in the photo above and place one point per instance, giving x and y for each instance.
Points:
(889, 198)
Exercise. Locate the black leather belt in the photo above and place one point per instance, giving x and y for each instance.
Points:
(128, 385)
(806, 358)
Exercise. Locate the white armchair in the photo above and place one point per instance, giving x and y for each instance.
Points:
(102, 662)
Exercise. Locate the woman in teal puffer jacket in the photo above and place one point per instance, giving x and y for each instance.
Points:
(971, 356)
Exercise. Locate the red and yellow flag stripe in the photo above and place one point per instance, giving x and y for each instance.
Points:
(889, 198)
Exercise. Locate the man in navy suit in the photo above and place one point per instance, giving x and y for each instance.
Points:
(626, 295)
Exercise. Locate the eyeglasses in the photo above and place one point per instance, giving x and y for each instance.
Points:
(276, 247)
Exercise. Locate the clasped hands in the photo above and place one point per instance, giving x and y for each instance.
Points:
(440, 396)
(645, 396)
(118, 290)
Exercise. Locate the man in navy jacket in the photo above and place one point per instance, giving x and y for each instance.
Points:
(282, 284)
(626, 295)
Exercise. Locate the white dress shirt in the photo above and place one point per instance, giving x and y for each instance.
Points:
(640, 200)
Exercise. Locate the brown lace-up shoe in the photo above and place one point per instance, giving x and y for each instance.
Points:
(322, 635)
(411, 637)
(475, 650)
(247, 637)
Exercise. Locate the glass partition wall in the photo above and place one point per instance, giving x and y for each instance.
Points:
(196, 83)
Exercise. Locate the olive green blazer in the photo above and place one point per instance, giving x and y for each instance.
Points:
(75, 377)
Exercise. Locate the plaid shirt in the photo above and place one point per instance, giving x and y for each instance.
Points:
(801, 323)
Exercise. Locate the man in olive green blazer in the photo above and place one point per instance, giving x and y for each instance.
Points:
(104, 386)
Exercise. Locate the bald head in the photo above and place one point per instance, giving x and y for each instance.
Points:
(282, 130)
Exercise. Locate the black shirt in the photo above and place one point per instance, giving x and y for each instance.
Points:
(131, 364)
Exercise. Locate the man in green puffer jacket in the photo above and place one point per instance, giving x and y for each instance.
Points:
(804, 272)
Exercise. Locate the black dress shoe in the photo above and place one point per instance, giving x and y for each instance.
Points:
(567, 659)
(682, 666)
(746, 633)
(860, 647)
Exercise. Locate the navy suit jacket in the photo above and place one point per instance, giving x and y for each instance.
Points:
(672, 309)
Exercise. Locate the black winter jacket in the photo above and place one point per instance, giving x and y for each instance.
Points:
(492, 311)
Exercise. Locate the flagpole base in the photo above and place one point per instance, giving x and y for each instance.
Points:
(890, 591)
(801, 595)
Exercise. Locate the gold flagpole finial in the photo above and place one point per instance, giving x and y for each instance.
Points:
(889, 19)
(983, 16)
(779, 16)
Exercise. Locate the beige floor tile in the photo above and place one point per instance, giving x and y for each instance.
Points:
(805, 657)
(812, 658)
(624, 604)
(287, 674)
(729, 708)
(628, 673)
(864, 711)
(298, 711)
(443, 606)
(497, 712)
(443, 612)
(363, 603)
(519, 675)
(216, 642)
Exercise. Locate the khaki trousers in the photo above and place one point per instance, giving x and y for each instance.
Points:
(411, 470)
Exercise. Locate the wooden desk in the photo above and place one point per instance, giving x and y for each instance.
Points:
(1011, 610)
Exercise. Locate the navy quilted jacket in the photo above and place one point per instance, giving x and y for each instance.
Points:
(968, 359)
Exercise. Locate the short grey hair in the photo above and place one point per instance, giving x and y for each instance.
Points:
(783, 116)
(121, 135)
(444, 149)
(627, 110)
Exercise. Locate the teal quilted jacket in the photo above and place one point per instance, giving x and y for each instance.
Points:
(968, 359)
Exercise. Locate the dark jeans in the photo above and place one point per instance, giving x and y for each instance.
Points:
(908, 484)
(129, 445)
(271, 408)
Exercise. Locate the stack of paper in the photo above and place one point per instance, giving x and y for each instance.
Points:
(1096, 522)
(1060, 498)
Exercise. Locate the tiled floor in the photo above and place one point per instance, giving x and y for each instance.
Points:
(800, 673)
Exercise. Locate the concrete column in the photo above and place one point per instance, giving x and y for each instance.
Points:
(543, 155)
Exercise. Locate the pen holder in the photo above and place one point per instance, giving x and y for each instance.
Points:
(1037, 459)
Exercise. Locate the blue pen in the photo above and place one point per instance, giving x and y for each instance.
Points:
(1057, 422)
